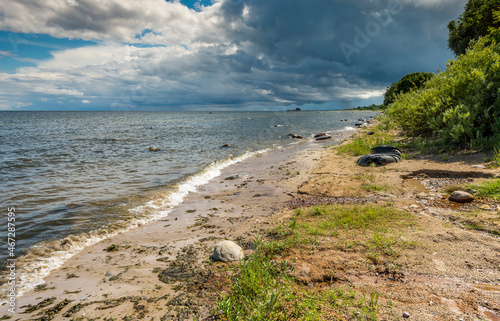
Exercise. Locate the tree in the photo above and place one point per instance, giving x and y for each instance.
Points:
(405, 84)
(476, 21)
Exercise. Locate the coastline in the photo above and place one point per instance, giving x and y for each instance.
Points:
(219, 209)
(444, 269)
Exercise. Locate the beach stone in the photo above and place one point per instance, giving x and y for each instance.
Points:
(320, 134)
(485, 207)
(233, 177)
(461, 197)
(323, 137)
(370, 133)
(226, 251)
(406, 315)
(295, 136)
(225, 146)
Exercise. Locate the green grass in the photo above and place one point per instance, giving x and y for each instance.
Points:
(256, 290)
(490, 188)
(371, 187)
(265, 289)
(362, 145)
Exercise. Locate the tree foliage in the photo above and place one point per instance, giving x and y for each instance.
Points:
(460, 105)
(475, 22)
(405, 84)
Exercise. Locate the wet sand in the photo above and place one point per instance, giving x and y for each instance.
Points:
(125, 267)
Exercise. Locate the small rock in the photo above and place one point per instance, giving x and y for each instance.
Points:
(422, 195)
(414, 206)
(461, 197)
(153, 149)
(323, 137)
(485, 207)
(370, 133)
(233, 177)
(226, 251)
(478, 166)
(320, 134)
(225, 146)
(406, 315)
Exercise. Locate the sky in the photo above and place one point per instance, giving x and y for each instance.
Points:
(215, 54)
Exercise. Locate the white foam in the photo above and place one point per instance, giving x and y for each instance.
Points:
(35, 272)
(349, 128)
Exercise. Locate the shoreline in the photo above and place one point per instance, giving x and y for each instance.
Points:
(438, 267)
(219, 203)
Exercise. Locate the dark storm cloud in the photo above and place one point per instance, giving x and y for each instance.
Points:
(382, 40)
(236, 53)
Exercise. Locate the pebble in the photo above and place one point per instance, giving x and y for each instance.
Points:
(406, 315)
(485, 207)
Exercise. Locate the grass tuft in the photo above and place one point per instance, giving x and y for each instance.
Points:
(490, 188)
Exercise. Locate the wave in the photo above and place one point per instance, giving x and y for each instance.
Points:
(43, 258)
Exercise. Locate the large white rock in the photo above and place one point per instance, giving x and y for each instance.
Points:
(226, 251)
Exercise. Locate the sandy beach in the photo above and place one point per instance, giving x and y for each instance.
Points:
(237, 204)
(161, 271)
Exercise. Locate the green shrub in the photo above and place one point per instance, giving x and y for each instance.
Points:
(460, 105)
(405, 84)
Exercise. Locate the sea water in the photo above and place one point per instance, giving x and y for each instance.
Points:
(75, 178)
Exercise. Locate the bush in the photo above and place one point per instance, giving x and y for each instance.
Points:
(460, 105)
(405, 84)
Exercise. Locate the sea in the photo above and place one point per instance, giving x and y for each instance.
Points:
(71, 179)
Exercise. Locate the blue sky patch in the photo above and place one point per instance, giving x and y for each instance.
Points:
(26, 49)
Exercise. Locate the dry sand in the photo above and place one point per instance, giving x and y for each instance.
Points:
(123, 270)
(453, 273)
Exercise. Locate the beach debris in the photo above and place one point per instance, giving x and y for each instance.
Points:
(226, 251)
(461, 197)
(46, 302)
(111, 248)
(298, 202)
(154, 149)
(233, 177)
(295, 136)
(380, 156)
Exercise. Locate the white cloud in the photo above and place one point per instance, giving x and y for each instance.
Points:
(116, 20)
(433, 3)
(9, 105)
(234, 53)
